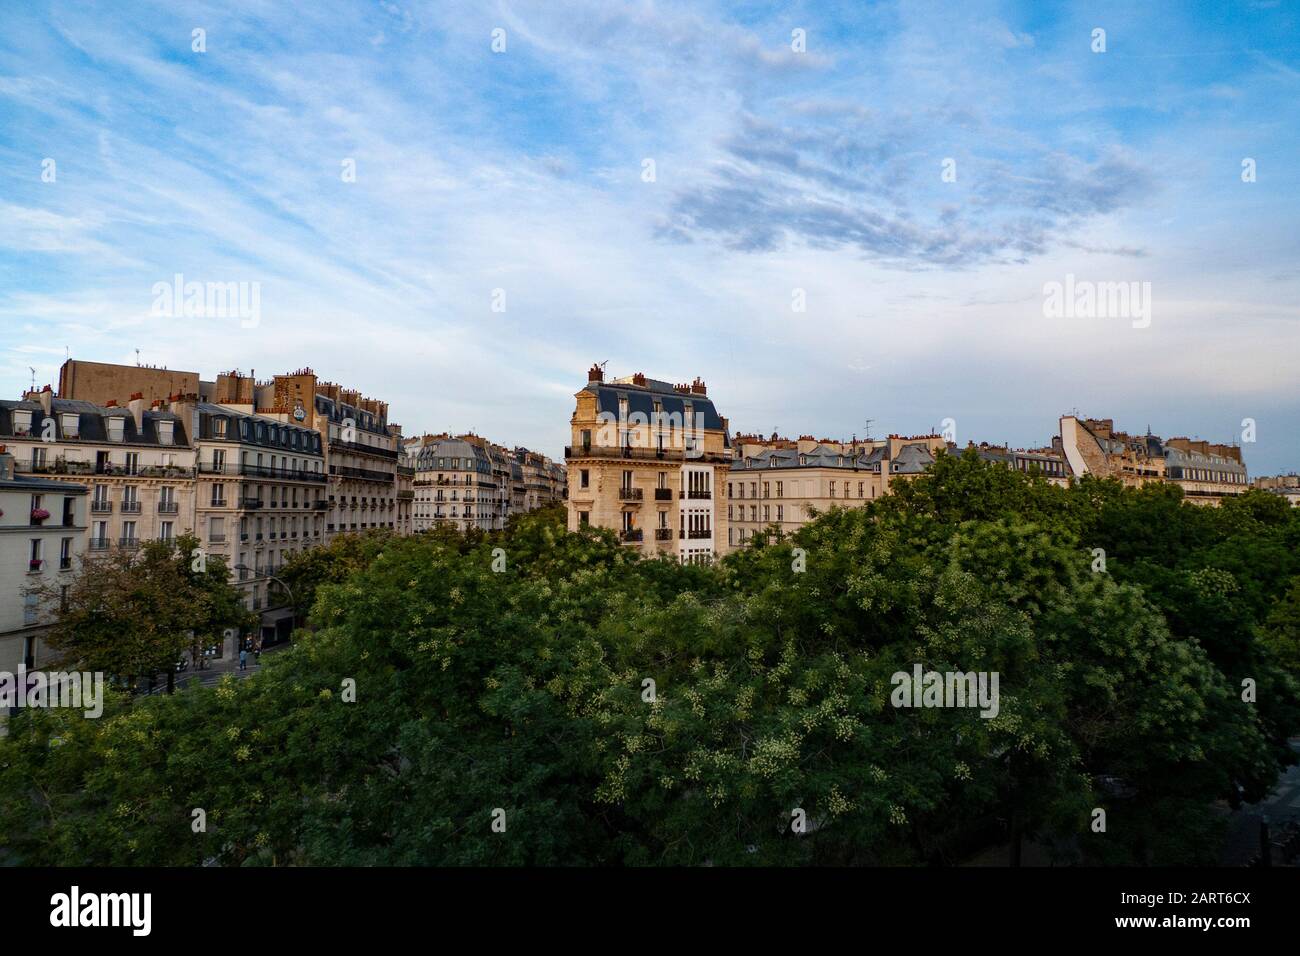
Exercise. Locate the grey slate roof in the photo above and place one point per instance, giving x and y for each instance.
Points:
(243, 427)
(427, 457)
(640, 400)
(819, 457)
(92, 422)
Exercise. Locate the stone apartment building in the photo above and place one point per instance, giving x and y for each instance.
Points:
(454, 483)
(292, 459)
(368, 487)
(260, 499)
(543, 479)
(467, 481)
(1050, 462)
(781, 483)
(43, 525)
(649, 460)
(137, 460)
(1287, 486)
(251, 489)
(1206, 472)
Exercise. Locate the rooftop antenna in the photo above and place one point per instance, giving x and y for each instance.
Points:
(866, 430)
(137, 358)
(33, 388)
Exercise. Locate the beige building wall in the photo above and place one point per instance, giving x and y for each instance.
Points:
(649, 460)
(137, 491)
(786, 498)
(34, 553)
(100, 382)
(1206, 472)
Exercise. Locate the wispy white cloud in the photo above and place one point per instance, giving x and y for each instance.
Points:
(775, 170)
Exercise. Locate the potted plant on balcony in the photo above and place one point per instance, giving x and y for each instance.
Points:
(39, 515)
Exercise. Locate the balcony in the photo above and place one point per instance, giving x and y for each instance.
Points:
(697, 494)
(217, 503)
(632, 534)
(65, 564)
(630, 494)
(216, 539)
(282, 474)
(130, 507)
(99, 544)
(663, 534)
(337, 444)
(321, 506)
(663, 494)
(699, 533)
(35, 565)
(165, 471)
(250, 504)
(129, 544)
(98, 507)
(59, 466)
(168, 508)
(362, 474)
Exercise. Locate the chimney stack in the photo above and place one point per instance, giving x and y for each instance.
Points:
(595, 373)
(136, 404)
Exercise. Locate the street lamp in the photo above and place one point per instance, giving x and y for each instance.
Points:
(280, 581)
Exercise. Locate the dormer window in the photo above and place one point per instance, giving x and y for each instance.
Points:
(165, 433)
(116, 428)
(22, 421)
(219, 428)
(71, 425)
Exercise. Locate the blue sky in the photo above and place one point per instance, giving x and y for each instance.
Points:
(775, 171)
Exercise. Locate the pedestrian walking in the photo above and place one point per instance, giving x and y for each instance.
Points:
(243, 658)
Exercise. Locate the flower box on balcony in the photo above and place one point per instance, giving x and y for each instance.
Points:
(39, 515)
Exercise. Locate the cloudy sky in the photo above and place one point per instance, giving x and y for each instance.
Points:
(660, 185)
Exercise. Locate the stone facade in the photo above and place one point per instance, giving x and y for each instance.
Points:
(100, 383)
(649, 460)
(782, 483)
(35, 552)
(1206, 472)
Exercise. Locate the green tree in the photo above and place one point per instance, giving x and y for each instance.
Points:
(132, 614)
